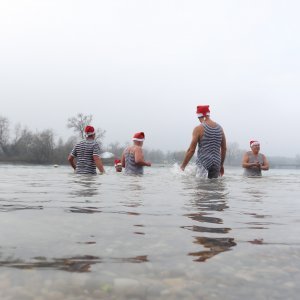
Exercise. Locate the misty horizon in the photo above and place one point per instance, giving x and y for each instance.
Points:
(146, 65)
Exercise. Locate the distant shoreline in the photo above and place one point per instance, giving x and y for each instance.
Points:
(109, 163)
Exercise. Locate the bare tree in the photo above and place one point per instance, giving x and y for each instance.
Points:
(18, 132)
(175, 156)
(80, 121)
(234, 154)
(4, 131)
(42, 146)
(116, 149)
(155, 156)
(62, 149)
(22, 144)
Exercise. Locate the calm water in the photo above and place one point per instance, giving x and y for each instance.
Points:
(165, 235)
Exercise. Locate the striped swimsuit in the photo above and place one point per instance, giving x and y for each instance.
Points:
(209, 151)
(84, 152)
(131, 168)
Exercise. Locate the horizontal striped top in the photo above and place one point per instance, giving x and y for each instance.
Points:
(209, 147)
(84, 151)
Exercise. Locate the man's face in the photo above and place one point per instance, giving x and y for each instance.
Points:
(139, 143)
(255, 148)
(118, 168)
(202, 119)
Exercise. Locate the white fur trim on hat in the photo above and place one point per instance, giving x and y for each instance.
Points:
(256, 143)
(138, 140)
(89, 133)
(201, 115)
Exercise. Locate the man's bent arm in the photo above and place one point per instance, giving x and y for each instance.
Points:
(72, 161)
(139, 158)
(98, 163)
(265, 165)
(246, 163)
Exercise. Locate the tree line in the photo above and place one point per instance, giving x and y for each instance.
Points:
(40, 147)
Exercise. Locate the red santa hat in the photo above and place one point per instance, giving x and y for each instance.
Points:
(89, 130)
(139, 137)
(202, 111)
(118, 162)
(254, 143)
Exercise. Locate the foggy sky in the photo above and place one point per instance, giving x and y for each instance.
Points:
(144, 65)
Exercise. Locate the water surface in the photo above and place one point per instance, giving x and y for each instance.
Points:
(165, 235)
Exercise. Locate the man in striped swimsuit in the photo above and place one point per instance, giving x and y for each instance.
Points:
(133, 158)
(87, 154)
(211, 141)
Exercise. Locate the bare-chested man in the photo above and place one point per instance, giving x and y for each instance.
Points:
(133, 158)
(253, 161)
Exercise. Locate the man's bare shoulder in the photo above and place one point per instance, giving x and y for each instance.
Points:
(138, 148)
(247, 153)
(128, 149)
(198, 130)
(133, 149)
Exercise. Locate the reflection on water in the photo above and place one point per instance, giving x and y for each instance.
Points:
(84, 189)
(112, 237)
(12, 207)
(70, 264)
(206, 229)
(132, 192)
(208, 197)
(84, 185)
(84, 210)
(215, 246)
(201, 217)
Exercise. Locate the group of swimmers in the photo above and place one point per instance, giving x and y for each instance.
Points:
(208, 136)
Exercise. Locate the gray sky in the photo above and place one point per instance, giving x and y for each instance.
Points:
(144, 65)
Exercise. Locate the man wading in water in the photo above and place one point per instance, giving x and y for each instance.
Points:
(133, 157)
(87, 154)
(211, 141)
(253, 161)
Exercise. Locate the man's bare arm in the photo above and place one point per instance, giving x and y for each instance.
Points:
(197, 134)
(265, 165)
(223, 153)
(71, 160)
(139, 157)
(123, 159)
(98, 163)
(247, 165)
